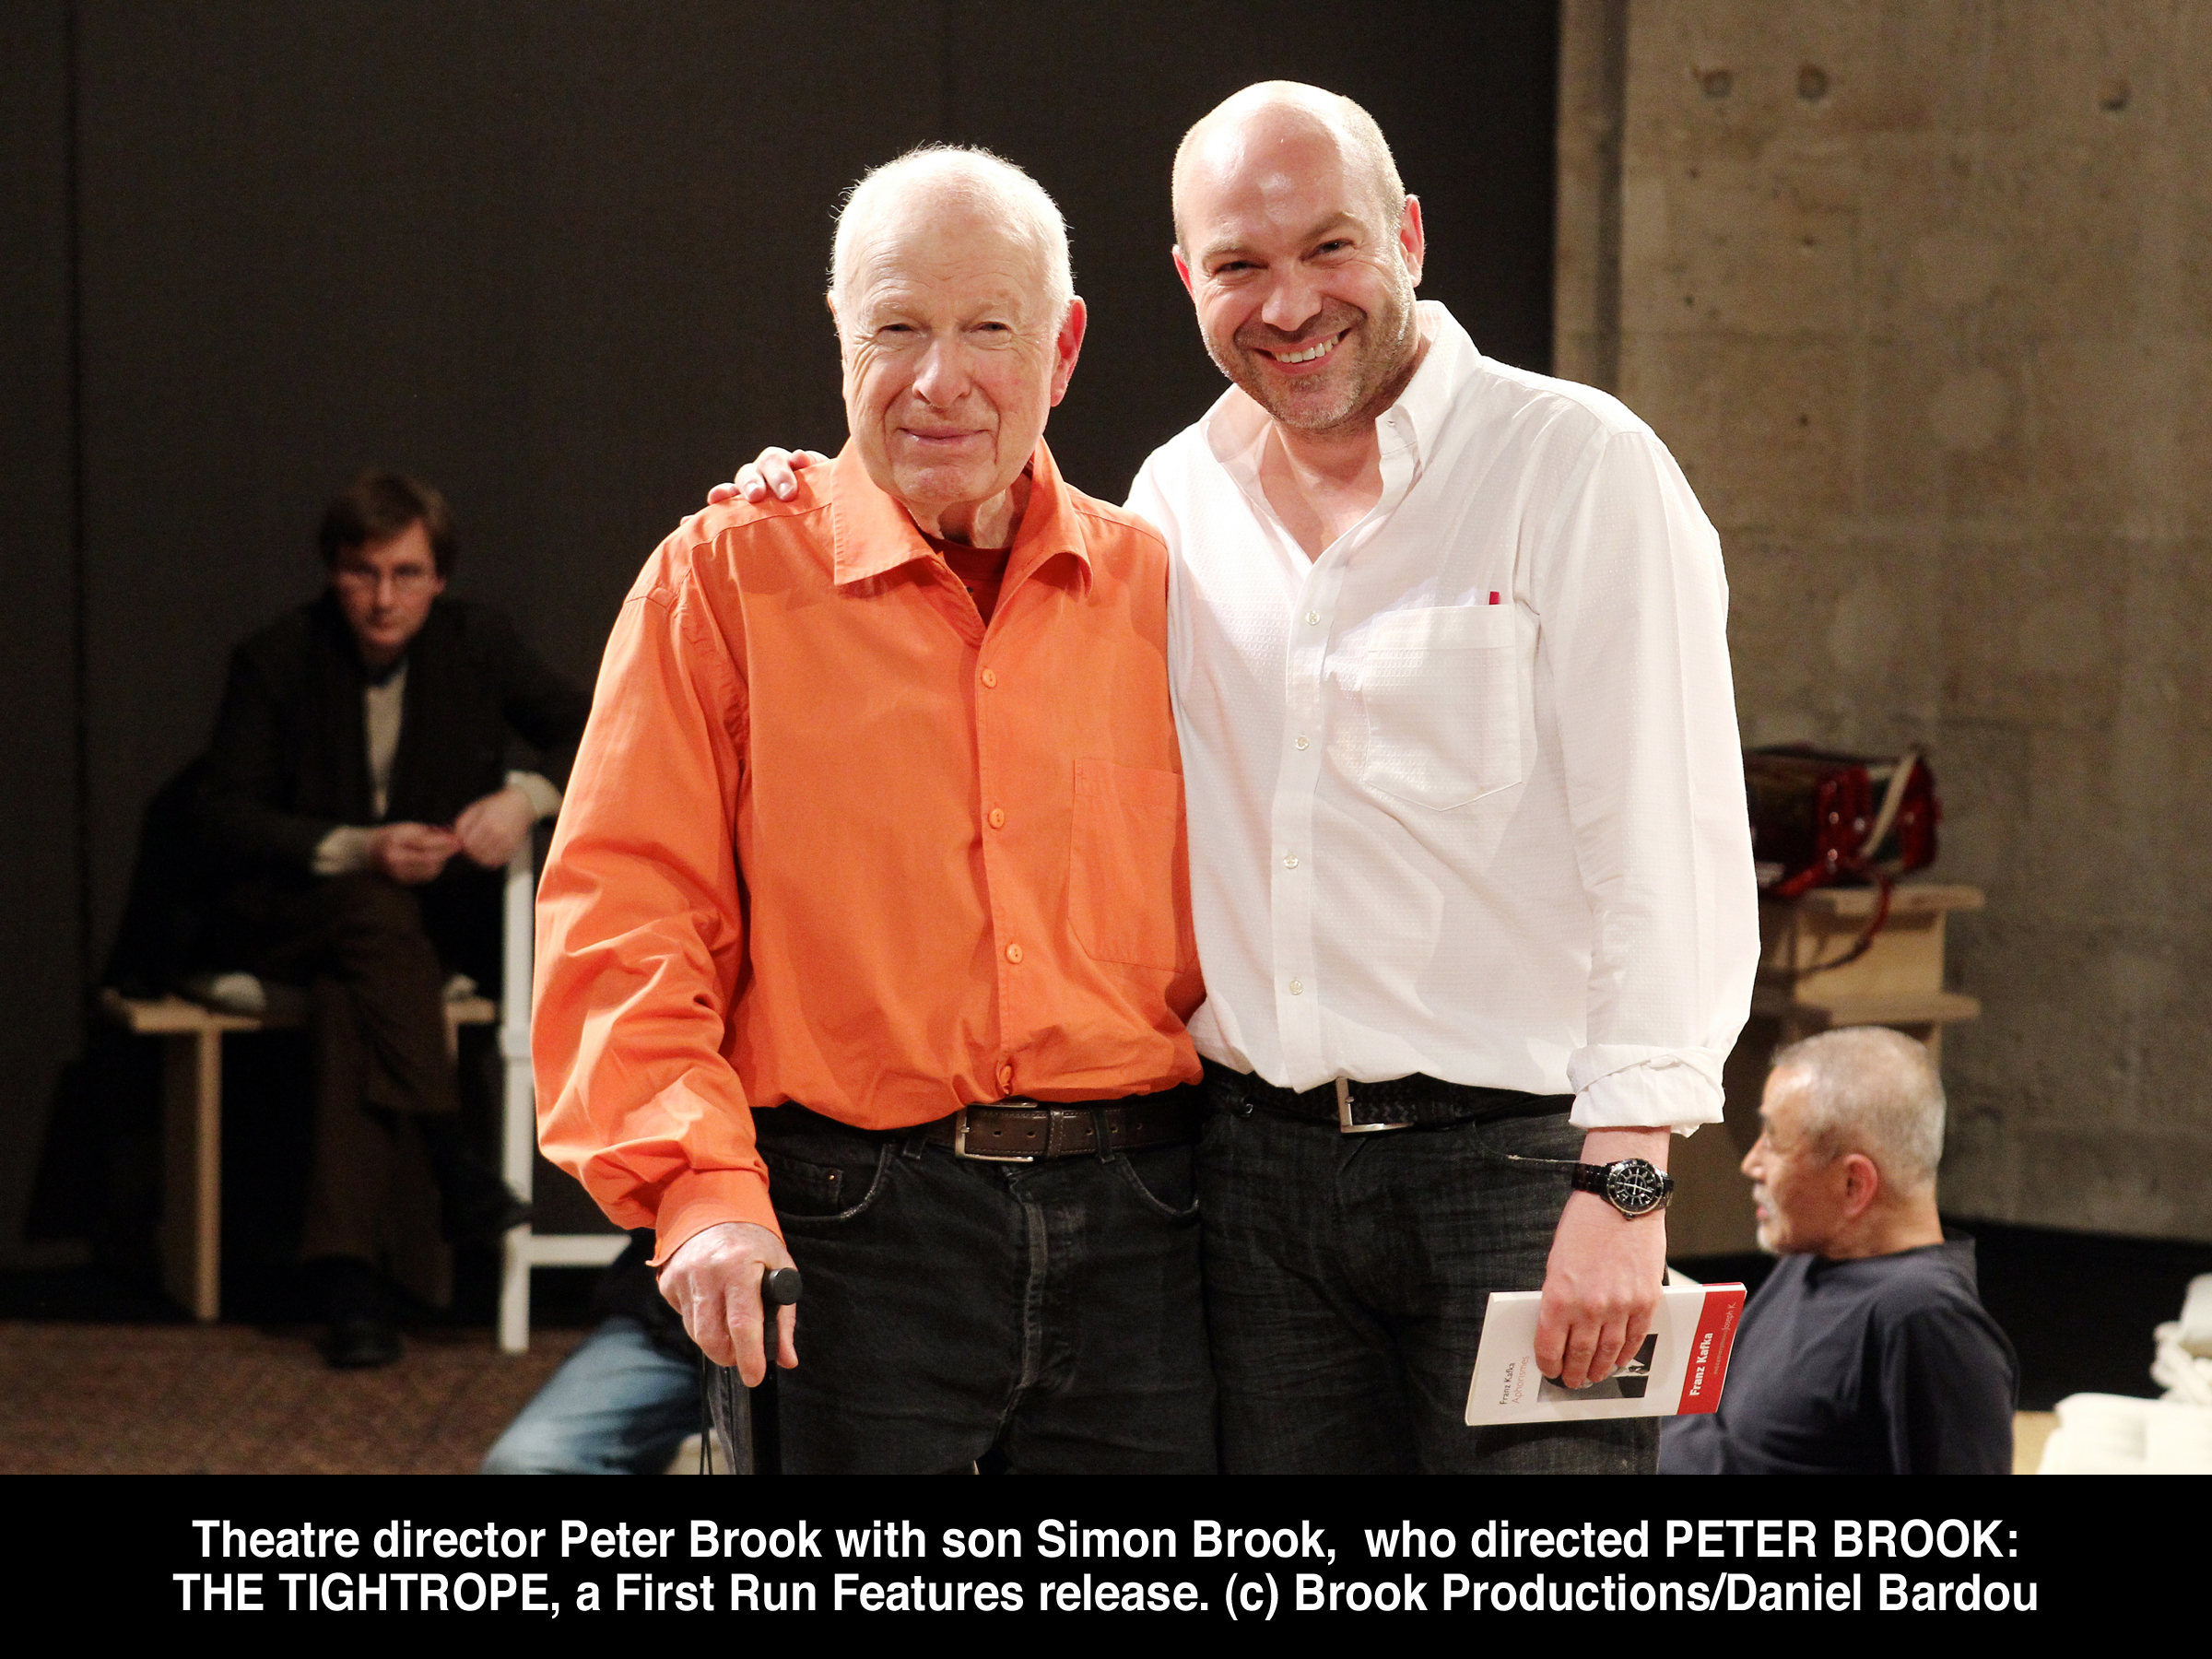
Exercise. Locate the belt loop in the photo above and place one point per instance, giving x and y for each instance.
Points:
(912, 1145)
(1101, 1136)
(1238, 1088)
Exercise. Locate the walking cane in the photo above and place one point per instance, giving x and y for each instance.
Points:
(744, 1419)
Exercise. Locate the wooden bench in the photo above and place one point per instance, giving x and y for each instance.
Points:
(192, 1126)
(192, 1114)
(1897, 982)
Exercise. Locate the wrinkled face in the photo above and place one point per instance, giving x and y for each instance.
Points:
(952, 359)
(1302, 277)
(1797, 1183)
(386, 588)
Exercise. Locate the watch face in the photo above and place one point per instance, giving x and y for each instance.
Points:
(1633, 1186)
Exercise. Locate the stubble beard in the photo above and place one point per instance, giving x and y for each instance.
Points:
(1386, 342)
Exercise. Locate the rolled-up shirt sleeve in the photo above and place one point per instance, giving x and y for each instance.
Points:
(1634, 607)
(640, 931)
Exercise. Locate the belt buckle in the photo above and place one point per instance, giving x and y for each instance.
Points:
(1344, 1115)
(959, 1145)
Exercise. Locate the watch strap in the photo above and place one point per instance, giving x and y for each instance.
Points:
(1597, 1177)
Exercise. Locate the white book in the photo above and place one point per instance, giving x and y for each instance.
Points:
(1679, 1369)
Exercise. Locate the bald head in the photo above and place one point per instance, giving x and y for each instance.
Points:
(1284, 124)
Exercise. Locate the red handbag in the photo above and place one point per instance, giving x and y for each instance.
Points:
(1824, 820)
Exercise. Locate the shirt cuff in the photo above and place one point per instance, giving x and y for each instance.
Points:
(344, 850)
(1625, 1086)
(699, 1199)
(545, 798)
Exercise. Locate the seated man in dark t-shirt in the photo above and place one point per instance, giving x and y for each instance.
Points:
(1867, 1351)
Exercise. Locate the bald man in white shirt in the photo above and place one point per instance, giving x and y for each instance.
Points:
(1470, 865)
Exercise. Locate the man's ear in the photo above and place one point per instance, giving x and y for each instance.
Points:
(1413, 243)
(1862, 1183)
(1182, 270)
(1067, 345)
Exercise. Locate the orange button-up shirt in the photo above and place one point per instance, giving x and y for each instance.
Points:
(831, 839)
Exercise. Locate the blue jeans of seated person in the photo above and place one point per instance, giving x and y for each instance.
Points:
(617, 1406)
(1347, 1277)
(1046, 1312)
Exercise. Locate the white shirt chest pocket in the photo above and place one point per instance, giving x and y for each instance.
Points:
(1440, 694)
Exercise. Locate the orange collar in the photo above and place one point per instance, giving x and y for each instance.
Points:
(871, 533)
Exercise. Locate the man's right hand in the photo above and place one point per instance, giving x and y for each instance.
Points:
(411, 854)
(713, 1281)
(773, 470)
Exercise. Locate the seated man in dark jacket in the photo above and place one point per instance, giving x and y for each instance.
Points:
(1867, 1351)
(359, 799)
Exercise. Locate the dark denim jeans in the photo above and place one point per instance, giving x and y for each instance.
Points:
(1047, 1313)
(1346, 1277)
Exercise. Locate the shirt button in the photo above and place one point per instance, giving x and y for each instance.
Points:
(1313, 618)
(1298, 987)
(1005, 1076)
(1290, 861)
(1013, 953)
(1299, 743)
(990, 676)
(998, 819)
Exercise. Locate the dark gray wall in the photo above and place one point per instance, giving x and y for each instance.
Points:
(566, 262)
(43, 968)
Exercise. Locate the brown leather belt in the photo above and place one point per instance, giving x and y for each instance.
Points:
(1025, 1130)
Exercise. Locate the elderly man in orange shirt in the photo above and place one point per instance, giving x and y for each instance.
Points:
(864, 942)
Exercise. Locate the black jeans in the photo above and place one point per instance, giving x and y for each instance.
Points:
(1047, 1312)
(1346, 1277)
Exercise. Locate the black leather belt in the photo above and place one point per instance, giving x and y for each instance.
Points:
(1025, 1130)
(1415, 1103)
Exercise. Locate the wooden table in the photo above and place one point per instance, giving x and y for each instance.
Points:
(1801, 989)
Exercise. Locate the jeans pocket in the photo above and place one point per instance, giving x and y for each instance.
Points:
(1164, 1181)
(810, 1193)
(1506, 1140)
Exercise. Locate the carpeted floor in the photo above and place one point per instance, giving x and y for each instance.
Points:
(179, 1399)
(166, 1399)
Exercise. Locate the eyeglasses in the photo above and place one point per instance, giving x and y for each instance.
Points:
(413, 580)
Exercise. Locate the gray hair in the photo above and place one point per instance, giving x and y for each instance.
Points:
(975, 178)
(1871, 1090)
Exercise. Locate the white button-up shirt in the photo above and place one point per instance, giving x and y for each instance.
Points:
(1465, 795)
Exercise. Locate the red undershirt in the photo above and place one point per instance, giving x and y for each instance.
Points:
(980, 570)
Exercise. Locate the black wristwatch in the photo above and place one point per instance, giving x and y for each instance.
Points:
(1631, 1185)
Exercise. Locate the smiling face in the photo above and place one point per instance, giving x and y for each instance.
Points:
(952, 357)
(1303, 273)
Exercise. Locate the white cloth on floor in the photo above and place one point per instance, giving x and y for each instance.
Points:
(2118, 1434)
(2097, 1434)
(2196, 1333)
(2177, 1439)
(2188, 1375)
